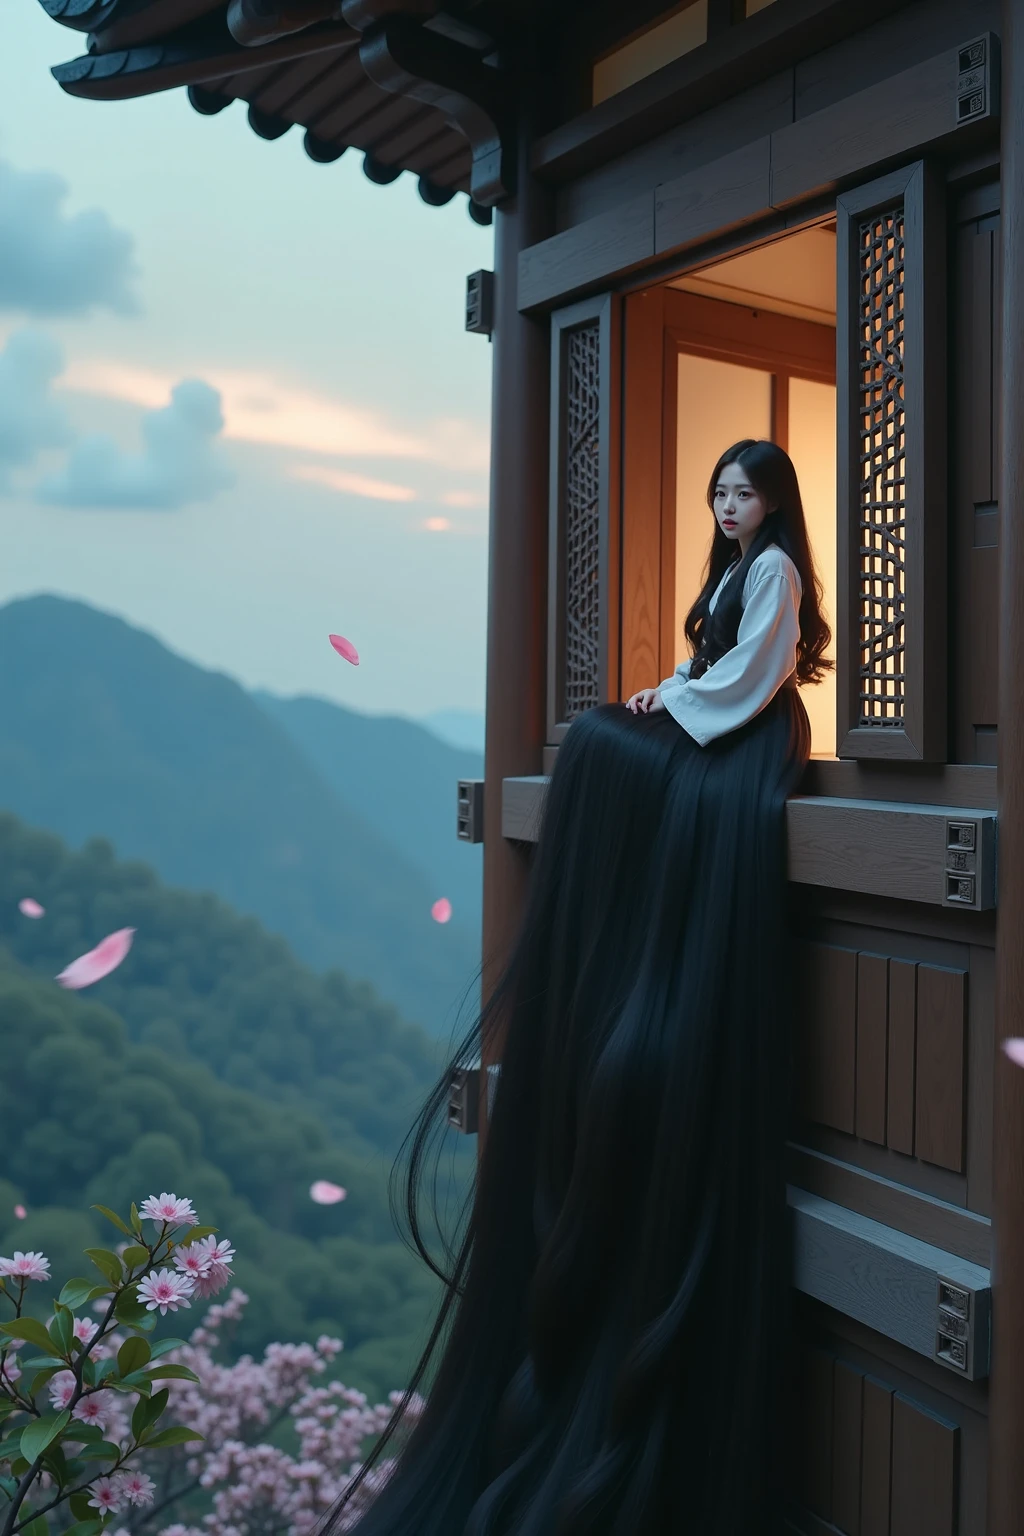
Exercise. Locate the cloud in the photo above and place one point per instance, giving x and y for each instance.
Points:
(53, 263)
(437, 524)
(260, 408)
(355, 485)
(181, 460)
(30, 419)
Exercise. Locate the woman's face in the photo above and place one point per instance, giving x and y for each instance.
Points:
(739, 509)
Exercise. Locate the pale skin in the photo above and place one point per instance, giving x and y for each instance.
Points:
(739, 512)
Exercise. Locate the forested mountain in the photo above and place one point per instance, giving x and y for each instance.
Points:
(211, 1063)
(103, 731)
(403, 782)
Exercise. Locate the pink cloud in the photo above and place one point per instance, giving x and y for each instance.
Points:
(262, 408)
(468, 499)
(437, 524)
(354, 485)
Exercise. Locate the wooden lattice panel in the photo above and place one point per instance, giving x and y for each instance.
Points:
(882, 488)
(582, 520)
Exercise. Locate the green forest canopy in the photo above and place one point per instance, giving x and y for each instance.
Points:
(215, 1065)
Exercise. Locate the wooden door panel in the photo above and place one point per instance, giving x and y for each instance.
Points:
(941, 1042)
(869, 1459)
(872, 1046)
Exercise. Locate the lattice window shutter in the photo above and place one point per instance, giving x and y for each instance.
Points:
(891, 377)
(583, 593)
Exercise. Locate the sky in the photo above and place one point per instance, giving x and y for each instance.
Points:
(238, 407)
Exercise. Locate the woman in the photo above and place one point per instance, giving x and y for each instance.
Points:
(610, 1335)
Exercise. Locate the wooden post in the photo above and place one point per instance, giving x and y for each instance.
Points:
(517, 579)
(1006, 1488)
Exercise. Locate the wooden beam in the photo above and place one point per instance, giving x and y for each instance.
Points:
(565, 263)
(1006, 1480)
(770, 41)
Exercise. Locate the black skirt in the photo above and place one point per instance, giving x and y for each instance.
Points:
(614, 1355)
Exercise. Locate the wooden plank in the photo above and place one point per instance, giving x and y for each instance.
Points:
(522, 806)
(917, 783)
(872, 1046)
(902, 1055)
(941, 1039)
(981, 1060)
(881, 1277)
(827, 1059)
(887, 121)
(933, 1220)
(846, 1446)
(925, 1453)
(563, 265)
(754, 338)
(876, 1462)
(881, 847)
(815, 1471)
(642, 492)
(727, 192)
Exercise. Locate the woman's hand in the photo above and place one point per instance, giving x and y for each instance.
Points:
(647, 701)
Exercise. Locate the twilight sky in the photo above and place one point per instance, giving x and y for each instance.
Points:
(322, 462)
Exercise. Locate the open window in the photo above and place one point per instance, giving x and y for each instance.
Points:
(741, 348)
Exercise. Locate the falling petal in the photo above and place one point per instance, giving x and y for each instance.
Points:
(323, 1192)
(20, 1212)
(29, 907)
(99, 962)
(441, 911)
(1015, 1050)
(345, 648)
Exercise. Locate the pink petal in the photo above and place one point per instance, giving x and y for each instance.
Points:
(1015, 1050)
(99, 962)
(323, 1192)
(29, 907)
(441, 911)
(20, 1212)
(345, 648)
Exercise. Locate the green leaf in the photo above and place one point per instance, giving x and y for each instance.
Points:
(19, 1466)
(139, 1418)
(39, 1434)
(36, 1527)
(193, 1234)
(105, 1210)
(102, 1369)
(107, 1263)
(177, 1434)
(135, 1255)
(164, 1346)
(40, 1379)
(138, 1381)
(136, 1220)
(172, 1372)
(130, 1310)
(62, 1330)
(156, 1405)
(85, 1433)
(55, 1463)
(101, 1451)
(5, 1409)
(31, 1330)
(79, 1291)
(80, 1507)
(85, 1527)
(133, 1355)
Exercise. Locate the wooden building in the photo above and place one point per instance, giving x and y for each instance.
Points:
(795, 218)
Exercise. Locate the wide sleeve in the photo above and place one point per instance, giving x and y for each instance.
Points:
(680, 675)
(745, 679)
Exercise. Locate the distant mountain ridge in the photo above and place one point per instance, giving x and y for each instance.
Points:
(105, 732)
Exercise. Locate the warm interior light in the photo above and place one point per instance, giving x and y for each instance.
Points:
(651, 50)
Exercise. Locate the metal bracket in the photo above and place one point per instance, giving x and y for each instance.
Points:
(977, 79)
(470, 825)
(970, 877)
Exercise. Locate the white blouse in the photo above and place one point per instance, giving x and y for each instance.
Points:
(745, 679)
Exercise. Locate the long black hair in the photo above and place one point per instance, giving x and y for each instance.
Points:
(771, 472)
(606, 1349)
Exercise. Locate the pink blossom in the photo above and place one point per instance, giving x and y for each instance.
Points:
(441, 911)
(136, 1487)
(165, 1290)
(62, 1389)
(323, 1192)
(94, 1408)
(217, 1272)
(26, 1266)
(10, 1370)
(193, 1261)
(20, 1212)
(168, 1208)
(85, 1330)
(106, 1495)
(99, 962)
(1015, 1050)
(29, 907)
(345, 648)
